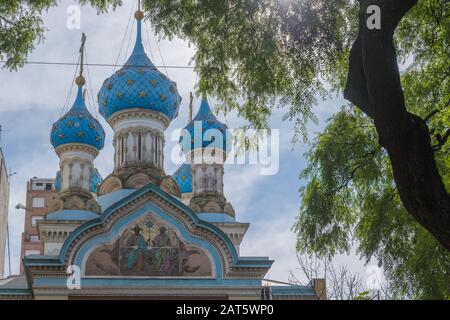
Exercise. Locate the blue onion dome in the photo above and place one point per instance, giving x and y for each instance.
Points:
(78, 125)
(139, 84)
(183, 178)
(197, 133)
(96, 180)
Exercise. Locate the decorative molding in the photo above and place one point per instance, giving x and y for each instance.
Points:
(249, 292)
(76, 147)
(110, 184)
(138, 113)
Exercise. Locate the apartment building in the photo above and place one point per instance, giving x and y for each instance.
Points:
(39, 194)
(4, 197)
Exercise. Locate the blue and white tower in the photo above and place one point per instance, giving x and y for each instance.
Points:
(139, 102)
(205, 143)
(77, 138)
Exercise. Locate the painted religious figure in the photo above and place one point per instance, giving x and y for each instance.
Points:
(135, 250)
(150, 247)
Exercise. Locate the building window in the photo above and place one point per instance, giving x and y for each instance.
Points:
(139, 147)
(30, 252)
(38, 202)
(46, 185)
(34, 220)
(38, 186)
(122, 147)
(155, 143)
(34, 238)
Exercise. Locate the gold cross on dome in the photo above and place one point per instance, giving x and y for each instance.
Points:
(83, 41)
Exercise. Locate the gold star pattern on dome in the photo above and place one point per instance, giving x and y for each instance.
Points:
(110, 86)
(70, 123)
(119, 96)
(153, 82)
(130, 82)
(142, 94)
(162, 97)
(183, 178)
(91, 126)
(97, 138)
(80, 134)
(104, 102)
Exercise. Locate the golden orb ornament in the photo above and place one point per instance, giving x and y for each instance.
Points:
(139, 15)
(80, 81)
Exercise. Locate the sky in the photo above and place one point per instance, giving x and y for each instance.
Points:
(35, 96)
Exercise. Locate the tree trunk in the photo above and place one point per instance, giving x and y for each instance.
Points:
(373, 84)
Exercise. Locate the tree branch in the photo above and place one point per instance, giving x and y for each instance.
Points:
(373, 84)
(442, 140)
(8, 21)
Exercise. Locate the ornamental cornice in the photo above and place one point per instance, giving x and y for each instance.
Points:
(250, 291)
(138, 113)
(136, 130)
(76, 147)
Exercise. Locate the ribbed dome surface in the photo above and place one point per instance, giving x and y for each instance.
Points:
(78, 126)
(139, 84)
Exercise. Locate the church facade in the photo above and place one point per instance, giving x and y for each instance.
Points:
(140, 233)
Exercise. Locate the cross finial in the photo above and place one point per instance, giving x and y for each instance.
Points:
(191, 98)
(83, 41)
(80, 79)
(139, 15)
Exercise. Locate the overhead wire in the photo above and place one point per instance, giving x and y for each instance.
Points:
(162, 59)
(128, 46)
(63, 110)
(102, 64)
(124, 36)
(92, 99)
(148, 40)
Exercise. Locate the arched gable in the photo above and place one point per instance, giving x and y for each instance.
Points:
(148, 243)
(150, 202)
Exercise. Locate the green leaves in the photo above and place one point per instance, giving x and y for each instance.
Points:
(259, 55)
(21, 27)
(352, 179)
(19, 30)
(350, 198)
